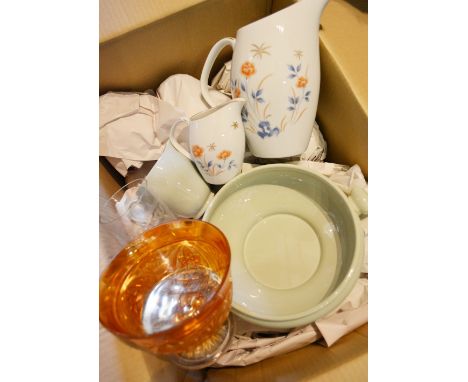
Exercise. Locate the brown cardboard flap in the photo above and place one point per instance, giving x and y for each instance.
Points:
(117, 17)
(341, 118)
(180, 43)
(344, 33)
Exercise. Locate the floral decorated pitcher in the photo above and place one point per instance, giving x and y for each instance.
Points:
(276, 68)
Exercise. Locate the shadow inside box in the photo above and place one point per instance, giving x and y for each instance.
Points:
(161, 370)
(362, 5)
(263, 161)
(110, 171)
(258, 161)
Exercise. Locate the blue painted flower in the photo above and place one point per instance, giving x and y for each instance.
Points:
(266, 130)
(257, 96)
(293, 102)
(232, 164)
(294, 70)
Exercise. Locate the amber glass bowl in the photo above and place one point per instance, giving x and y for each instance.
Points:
(167, 261)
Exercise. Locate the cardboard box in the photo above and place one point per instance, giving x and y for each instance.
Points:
(140, 59)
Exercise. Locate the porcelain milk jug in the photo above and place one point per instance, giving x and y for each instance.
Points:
(276, 68)
(217, 141)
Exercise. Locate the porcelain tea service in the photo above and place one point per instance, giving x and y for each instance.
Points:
(294, 236)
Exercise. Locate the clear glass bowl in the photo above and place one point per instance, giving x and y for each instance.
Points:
(135, 207)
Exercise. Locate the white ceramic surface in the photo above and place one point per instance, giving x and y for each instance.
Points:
(175, 181)
(276, 67)
(296, 244)
(217, 141)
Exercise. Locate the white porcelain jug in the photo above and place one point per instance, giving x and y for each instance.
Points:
(276, 68)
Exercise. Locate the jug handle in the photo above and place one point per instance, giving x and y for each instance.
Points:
(173, 139)
(214, 52)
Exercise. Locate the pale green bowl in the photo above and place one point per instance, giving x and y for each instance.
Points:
(296, 244)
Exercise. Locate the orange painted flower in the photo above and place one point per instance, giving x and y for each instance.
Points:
(197, 151)
(301, 82)
(224, 154)
(236, 93)
(247, 69)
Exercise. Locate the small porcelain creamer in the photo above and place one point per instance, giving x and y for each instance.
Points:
(217, 141)
(276, 68)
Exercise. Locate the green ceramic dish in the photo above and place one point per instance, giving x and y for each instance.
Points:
(297, 245)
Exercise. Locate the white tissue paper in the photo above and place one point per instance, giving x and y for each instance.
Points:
(133, 127)
(184, 92)
(252, 343)
(317, 148)
(222, 80)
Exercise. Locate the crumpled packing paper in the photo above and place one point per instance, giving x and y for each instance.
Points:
(317, 148)
(222, 80)
(253, 343)
(134, 127)
(184, 92)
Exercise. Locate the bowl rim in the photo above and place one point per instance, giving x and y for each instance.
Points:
(341, 291)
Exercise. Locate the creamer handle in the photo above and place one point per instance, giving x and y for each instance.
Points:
(209, 65)
(173, 139)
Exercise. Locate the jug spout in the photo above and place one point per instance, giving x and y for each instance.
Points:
(310, 8)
